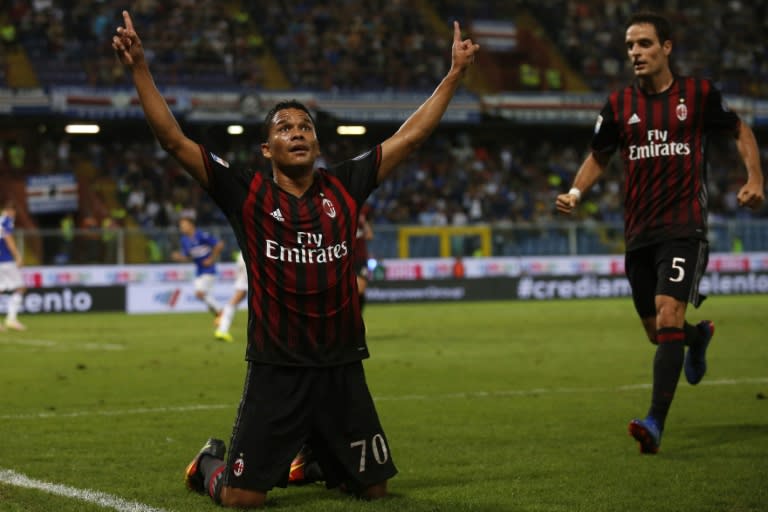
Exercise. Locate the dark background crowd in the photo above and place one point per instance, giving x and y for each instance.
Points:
(496, 172)
(378, 44)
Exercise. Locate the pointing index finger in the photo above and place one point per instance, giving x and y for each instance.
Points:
(456, 32)
(128, 21)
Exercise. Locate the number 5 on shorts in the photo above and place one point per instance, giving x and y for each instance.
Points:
(677, 264)
(378, 447)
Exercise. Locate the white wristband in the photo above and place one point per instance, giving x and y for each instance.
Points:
(575, 192)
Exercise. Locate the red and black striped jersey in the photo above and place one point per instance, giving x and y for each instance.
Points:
(302, 295)
(663, 141)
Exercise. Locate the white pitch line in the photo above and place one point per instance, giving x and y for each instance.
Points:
(445, 396)
(30, 343)
(119, 412)
(63, 347)
(553, 391)
(103, 499)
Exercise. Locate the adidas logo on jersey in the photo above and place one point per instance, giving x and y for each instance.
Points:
(277, 214)
(634, 119)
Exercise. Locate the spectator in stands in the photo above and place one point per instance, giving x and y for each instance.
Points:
(110, 231)
(8, 38)
(90, 239)
(67, 237)
(662, 125)
(16, 157)
(306, 336)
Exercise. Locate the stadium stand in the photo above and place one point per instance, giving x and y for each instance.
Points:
(378, 45)
(497, 173)
(458, 178)
(586, 32)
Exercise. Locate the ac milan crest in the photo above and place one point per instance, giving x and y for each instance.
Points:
(238, 467)
(328, 208)
(682, 112)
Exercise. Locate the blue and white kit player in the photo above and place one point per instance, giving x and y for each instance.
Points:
(11, 280)
(203, 249)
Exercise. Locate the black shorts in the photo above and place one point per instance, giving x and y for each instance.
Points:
(673, 268)
(329, 408)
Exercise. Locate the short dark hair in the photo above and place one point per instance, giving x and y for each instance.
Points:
(283, 105)
(659, 22)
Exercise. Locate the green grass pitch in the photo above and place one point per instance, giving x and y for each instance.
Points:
(490, 406)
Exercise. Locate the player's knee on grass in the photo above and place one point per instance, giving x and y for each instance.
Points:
(242, 498)
(376, 491)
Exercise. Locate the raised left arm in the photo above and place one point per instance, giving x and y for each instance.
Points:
(415, 130)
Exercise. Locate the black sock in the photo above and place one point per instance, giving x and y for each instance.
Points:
(667, 365)
(213, 474)
(692, 334)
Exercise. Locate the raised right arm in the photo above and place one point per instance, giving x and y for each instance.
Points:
(128, 47)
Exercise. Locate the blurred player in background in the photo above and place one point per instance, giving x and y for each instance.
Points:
(306, 339)
(203, 249)
(661, 126)
(11, 280)
(228, 313)
(363, 234)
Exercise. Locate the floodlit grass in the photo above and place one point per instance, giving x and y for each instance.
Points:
(498, 406)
